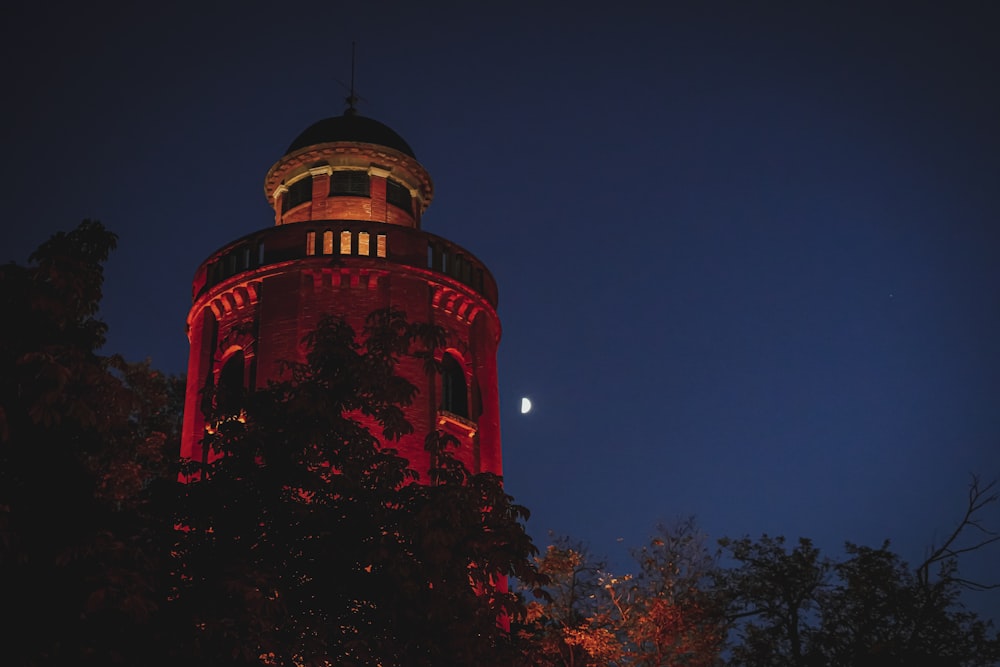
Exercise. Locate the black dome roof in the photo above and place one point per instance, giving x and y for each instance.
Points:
(350, 127)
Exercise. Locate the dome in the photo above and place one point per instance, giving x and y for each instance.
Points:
(350, 127)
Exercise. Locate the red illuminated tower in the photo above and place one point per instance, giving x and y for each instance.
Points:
(348, 197)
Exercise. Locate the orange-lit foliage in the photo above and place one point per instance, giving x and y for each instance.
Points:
(662, 616)
(667, 633)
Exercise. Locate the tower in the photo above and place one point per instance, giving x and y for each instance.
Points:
(348, 198)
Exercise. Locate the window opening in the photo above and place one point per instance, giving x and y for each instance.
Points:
(299, 192)
(350, 184)
(363, 244)
(398, 195)
(328, 242)
(310, 243)
(229, 393)
(454, 392)
(345, 242)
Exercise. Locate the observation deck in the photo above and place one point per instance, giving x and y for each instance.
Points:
(347, 243)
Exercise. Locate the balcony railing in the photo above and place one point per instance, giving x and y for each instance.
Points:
(346, 240)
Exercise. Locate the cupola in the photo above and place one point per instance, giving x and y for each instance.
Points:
(349, 167)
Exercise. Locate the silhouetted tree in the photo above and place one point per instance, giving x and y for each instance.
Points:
(765, 603)
(775, 592)
(798, 608)
(83, 440)
(307, 542)
(304, 543)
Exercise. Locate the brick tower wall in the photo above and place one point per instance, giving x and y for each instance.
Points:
(266, 311)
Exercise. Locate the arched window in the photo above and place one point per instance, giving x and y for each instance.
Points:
(229, 393)
(454, 393)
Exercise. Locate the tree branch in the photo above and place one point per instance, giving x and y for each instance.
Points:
(979, 498)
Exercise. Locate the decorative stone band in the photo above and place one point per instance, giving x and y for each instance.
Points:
(235, 298)
(455, 303)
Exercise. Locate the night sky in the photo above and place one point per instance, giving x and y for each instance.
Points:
(747, 257)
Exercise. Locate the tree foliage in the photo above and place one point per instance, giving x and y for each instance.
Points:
(662, 615)
(765, 602)
(307, 542)
(83, 439)
(794, 606)
(304, 541)
(569, 625)
(797, 608)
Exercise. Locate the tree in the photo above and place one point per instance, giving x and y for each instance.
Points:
(663, 615)
(81, 553)
(870, 608)
(571, 625)
(308, 542)
(676, 618)
(775, 591)
(305, 542)
(766, 603)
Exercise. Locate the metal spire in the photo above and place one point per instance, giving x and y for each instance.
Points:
(352, 99)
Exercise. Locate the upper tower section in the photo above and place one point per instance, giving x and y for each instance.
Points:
(349, 168)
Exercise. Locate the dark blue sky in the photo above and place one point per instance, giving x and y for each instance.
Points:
(747, 257)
